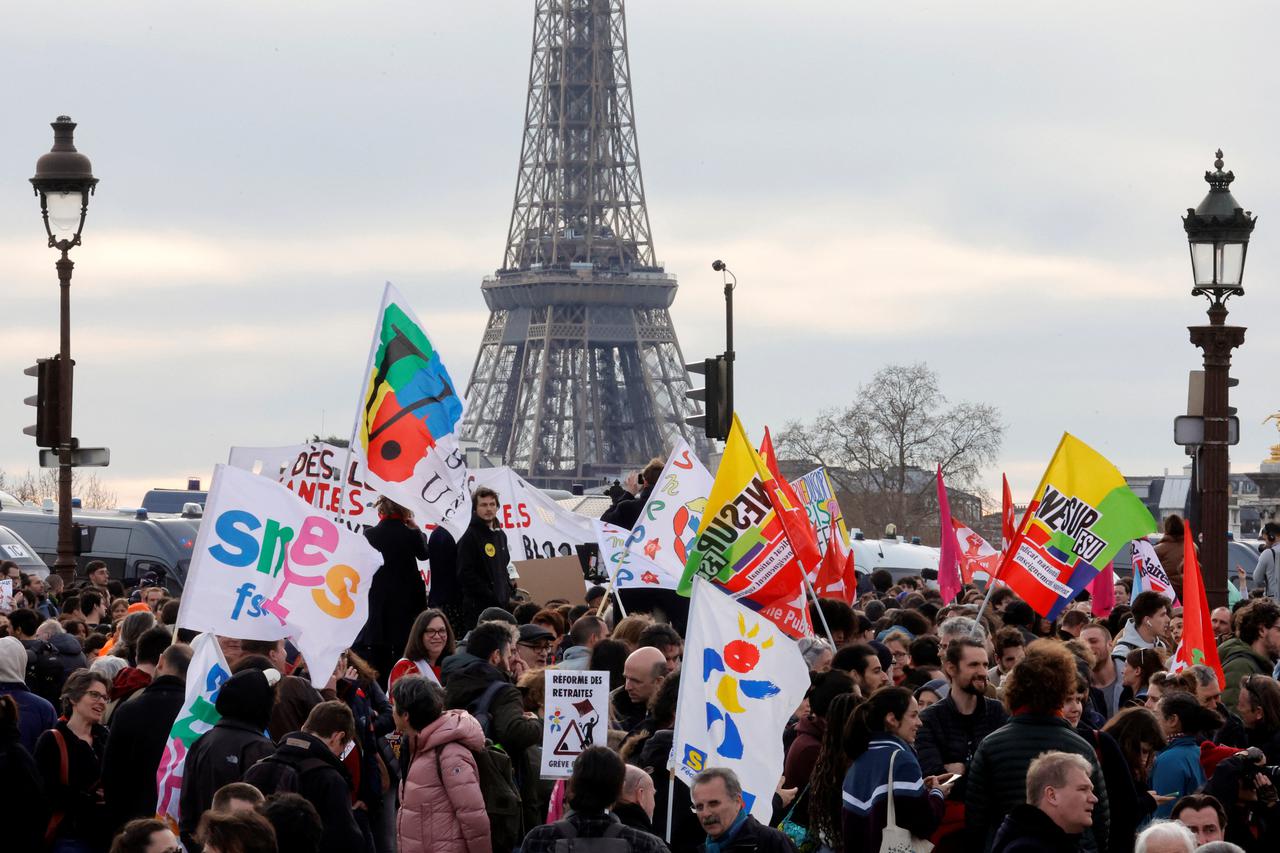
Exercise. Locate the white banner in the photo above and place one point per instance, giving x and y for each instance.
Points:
(626, 567)
(407, 421)
(536, 526)
(576, 717)
(1148, 573)
(742, 680)
(668, 525)
(266, 566)
(206, 674)
(314, 472)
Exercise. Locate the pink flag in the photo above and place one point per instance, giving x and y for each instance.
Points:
(949, 559)
(1102, 592)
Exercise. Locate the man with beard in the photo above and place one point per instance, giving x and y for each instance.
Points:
(1104, 680)
(951, 728)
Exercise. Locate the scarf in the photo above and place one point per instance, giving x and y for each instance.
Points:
(715, 845)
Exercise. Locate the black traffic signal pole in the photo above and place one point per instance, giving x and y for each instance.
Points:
(730, 282)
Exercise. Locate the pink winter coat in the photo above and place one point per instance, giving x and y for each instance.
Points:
(441, 807)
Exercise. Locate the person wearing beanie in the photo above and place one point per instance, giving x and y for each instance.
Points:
(35, 713)
(224, 754)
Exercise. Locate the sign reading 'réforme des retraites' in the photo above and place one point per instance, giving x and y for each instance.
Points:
(576, 717)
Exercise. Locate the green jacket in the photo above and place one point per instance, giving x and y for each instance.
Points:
(1238, 660)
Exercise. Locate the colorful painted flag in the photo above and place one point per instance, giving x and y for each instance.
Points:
(1102, 592)
(1082, 513)
(406, 432)
(1149, 574)
(949, 554)
(627, 568)
(741, 680)
(742, 545)
(795, 518)
(1198, 644)
(977, 557)
(206, 674)
(668, 524)
(818, 497)
(837, 578)
(266, 565)
(1008, 524)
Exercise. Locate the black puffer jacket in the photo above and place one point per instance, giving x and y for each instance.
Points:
(946, 735)
(322, 780)
(223, 754)
(1028, 830)
(997, 777)
(482, 567)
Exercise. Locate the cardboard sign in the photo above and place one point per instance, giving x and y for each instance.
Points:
(576, 717)
(558, 577)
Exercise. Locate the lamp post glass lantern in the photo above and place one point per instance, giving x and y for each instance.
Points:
(63, 182)
(1218, 233)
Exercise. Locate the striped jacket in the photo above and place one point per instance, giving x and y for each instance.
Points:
(865, 795)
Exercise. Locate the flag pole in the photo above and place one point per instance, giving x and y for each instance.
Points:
(822, 616)
(671, 797)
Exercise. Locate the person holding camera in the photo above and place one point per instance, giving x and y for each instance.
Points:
(1245, 785)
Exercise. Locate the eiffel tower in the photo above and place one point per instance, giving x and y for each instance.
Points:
(579, 377)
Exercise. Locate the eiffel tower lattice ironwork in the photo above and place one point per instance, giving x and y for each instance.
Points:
(579, 375)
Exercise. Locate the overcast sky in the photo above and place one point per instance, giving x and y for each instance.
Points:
(994, 188)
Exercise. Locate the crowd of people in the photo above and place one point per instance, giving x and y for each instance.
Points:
(927, 724)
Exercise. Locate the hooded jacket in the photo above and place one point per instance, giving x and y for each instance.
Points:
(35, 713)
(223, 754)
(441, 804)
(322, 781)
(70, 653)
(466, 677)
(1238, 660)
(139, 732)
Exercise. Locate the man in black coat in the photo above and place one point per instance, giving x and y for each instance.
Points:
(483, 557)
(625, 511)
(139, 732)
(717, 800)
(223, 754)
(1059, 807)
(951, 729)
(397, 594)
(445, 592)
(312, 758)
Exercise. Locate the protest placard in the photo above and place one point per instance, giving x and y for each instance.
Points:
(576, 717)
(559, 577)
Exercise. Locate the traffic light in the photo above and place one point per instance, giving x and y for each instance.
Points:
(47, 402)
(714, 397)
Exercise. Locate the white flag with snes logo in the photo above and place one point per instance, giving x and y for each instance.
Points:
(742, 678)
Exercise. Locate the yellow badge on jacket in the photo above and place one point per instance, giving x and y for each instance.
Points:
(489, 550)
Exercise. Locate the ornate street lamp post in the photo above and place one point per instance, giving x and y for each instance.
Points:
(64, 181)
(1218, 232)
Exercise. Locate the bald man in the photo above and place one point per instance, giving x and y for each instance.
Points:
(1220, 618)
(642, 675)
(635, 807)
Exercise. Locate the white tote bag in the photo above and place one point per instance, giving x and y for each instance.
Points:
(895, 839)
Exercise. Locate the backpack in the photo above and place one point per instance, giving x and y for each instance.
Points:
(569, 842)
(45, 676)
(277, 774)
(497, 777)
(481, 706)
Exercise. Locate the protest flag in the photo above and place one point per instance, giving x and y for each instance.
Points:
(668, 524)
(976, 554)
(1007, 522)
(206, 674)
(795, 519)
(1149, 574)
(837, 578)
(266, 566)
(818, 497)
(742, 545)
(626, 567)
(1102, 592)
(1082, 513)
(405, 438)
(742, 679)
(1198, 644)
(949, 555)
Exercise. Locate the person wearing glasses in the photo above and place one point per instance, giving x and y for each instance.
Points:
(431, 640)
(69, 758)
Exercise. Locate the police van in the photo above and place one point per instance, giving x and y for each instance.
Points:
(131, 542)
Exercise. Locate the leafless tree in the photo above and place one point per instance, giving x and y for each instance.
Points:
(882, 449)
(85, 485)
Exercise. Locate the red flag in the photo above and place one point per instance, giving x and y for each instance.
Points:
(949, 559)
(1007, 521)
(1198, 644)
(795, 520)
(1102, 592)
(836, 577)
